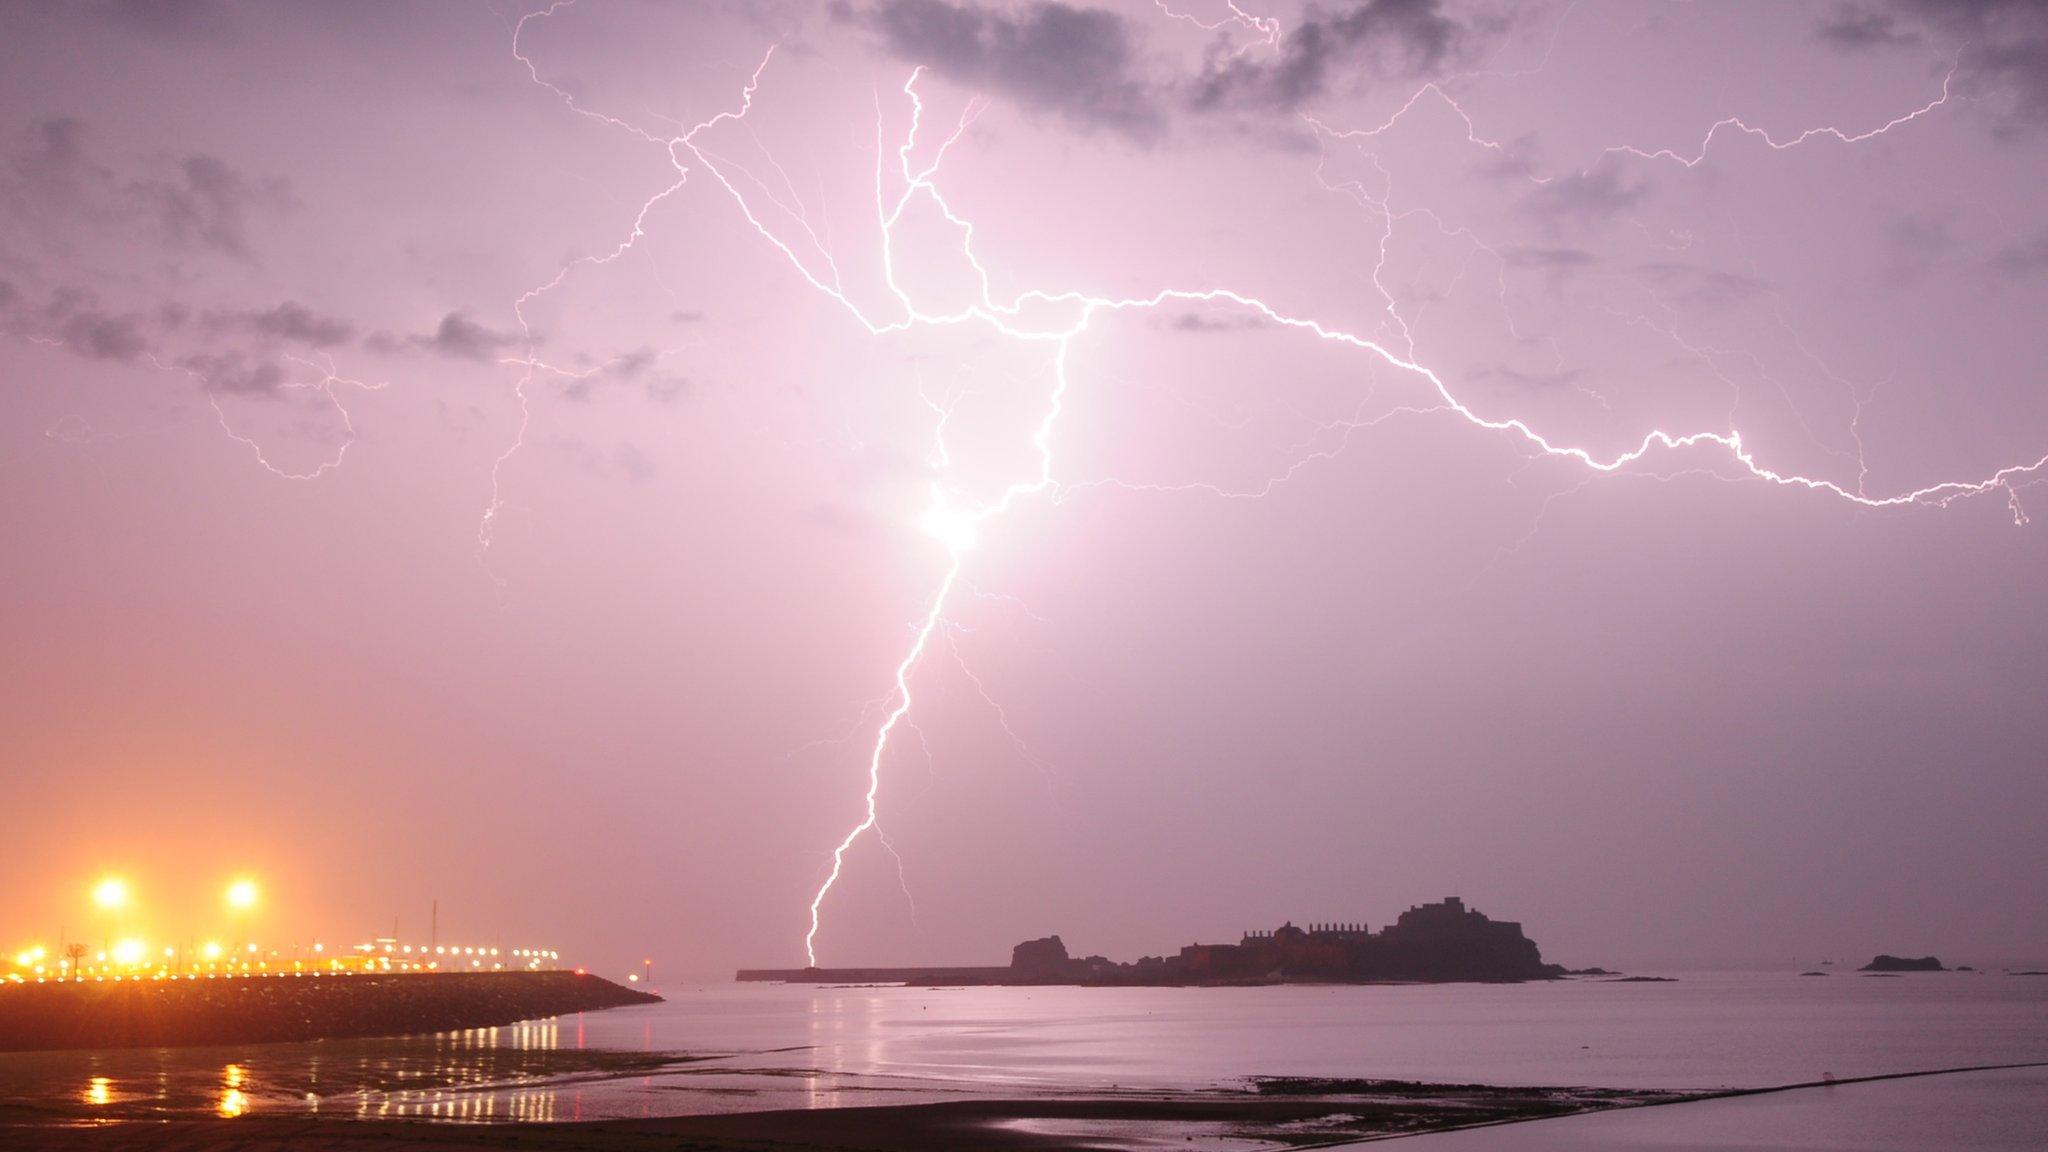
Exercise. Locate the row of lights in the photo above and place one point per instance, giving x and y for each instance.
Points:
(454, 950)
(130, 954)
(124, 955)
(133, 957)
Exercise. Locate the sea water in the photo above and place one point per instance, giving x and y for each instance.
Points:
(758, 1046)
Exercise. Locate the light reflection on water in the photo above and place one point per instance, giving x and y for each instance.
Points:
(728, 1048)
(477, 1074)
(233, 1101)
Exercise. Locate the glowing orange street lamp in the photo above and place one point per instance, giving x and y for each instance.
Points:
(242, 896)
(111, 893)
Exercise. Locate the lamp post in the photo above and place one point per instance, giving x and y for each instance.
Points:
(111, 895)
(242, 896)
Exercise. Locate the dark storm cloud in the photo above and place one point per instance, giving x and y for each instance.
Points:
(201, 202)
(1918, 242)
(2006, 51)
(50, 173)
(289, 322)
(1554, 265)
(99, 335)
(1075, 62)
(1526, 256)
(167, 19)
(74, 320)
(1536, 381)
(625, 459)
(668, 389)
(2000, 46)
(635, 367)
(1196, 322)
(56, 145)
(1858, 28)
(2028, 258)
(462, 337)
(457, 336)
(208, 202)
(1376, 38)
(633, 463)
(1586, 196)
(1703, 287)
(235, 372)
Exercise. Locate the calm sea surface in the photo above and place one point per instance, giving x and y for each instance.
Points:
(746, 1047)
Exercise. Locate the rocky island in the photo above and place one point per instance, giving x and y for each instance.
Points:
(1429, 943)
(1886, 963)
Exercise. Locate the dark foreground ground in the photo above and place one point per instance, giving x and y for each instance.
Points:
(1297, 1113)
(257, 1010)
(1294, 1113)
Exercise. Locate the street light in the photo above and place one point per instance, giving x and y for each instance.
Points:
(111, 894)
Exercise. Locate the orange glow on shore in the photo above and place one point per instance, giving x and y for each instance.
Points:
(174, 956)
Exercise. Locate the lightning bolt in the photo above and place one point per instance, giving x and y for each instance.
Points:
(487, 522)
(1698, 156)
(324, 385)
(957, 527)
(1266, 28)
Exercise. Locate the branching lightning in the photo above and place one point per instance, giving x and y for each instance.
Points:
(1265, 28)
(957, 526)
(1698, 157)
(325, 385)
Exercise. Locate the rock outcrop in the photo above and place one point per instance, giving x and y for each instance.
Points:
(263, 1009)
(1885, 963)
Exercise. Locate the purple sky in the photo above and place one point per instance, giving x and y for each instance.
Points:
(389, 516)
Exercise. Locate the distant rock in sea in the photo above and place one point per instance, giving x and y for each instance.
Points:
(1429, 943)
(1887, 963)
(1642, 980)
(1813, 973)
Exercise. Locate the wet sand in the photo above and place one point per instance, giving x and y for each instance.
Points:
(1286, 1113)
(1280, 1113)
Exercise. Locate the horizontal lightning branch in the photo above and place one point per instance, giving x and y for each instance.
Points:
(957, 527)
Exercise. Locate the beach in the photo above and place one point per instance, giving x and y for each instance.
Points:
(880, 1068)
(1341, 1114)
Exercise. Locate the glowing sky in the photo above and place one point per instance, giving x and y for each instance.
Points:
(446, 455)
